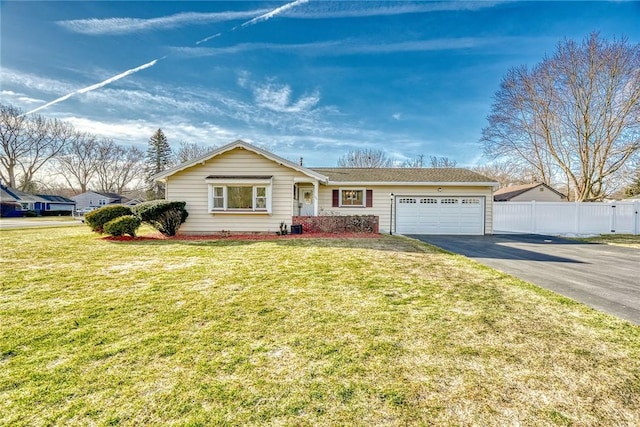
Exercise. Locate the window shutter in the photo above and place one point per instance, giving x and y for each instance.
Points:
(369, 198)
(336, 198)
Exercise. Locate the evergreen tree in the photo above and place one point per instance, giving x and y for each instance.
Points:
(158, 159)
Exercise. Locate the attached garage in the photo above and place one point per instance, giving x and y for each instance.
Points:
(440, 215)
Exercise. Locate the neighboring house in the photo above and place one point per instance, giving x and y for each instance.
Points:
(43, 204)
(240, 188)
(133, 202)
(94, 199)
(538, 192)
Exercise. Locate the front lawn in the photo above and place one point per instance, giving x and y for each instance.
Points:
(382, 331)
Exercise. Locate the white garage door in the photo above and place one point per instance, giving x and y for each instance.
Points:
(440, 215)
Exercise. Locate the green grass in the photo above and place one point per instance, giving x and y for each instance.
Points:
(627, 240)
(383, 331)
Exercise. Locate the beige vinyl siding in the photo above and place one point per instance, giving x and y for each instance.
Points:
(189, 185)
(382, 201)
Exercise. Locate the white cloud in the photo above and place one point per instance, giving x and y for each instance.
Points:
(323, 10)
(314, 10)
(116, 26)
(138, 132)
(397, 116)
(34, 82)
(19, 99)
(277, 97)
(352, 46)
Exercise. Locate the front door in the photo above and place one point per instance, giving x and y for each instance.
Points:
(305, 199)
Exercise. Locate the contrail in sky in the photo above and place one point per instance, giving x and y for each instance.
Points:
(206, 39)
(96, 86)
(273, 13)
(253, 21)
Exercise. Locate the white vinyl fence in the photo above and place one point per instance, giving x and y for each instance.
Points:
(566, 217)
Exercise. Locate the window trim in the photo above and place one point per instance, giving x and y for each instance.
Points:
(364, 197)
(252, 182)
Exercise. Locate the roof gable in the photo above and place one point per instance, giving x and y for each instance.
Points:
(232, 146)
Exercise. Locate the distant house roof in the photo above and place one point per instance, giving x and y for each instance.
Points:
(58, 199)
(404, 175)
(6, 195)
(507, 193)
(12, 194)
(109, 195)
(114, 198)
(18, 195)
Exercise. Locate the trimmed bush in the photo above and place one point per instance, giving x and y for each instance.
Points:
(98, 218)
(163, 215)
(127, 224)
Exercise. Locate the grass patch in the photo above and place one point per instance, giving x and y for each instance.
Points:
(627, 240)
(382, 331)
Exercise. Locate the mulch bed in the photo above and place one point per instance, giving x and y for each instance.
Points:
(253, 236)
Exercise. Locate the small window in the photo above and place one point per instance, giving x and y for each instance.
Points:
(407, 200)
(352, 197)
(470, 201)
(428, 201)
(102, 202)
(218, 197)
(261, 198)
(449, 201)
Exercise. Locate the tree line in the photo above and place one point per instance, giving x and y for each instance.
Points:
(34, 144)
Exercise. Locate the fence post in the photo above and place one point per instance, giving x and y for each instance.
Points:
(576, 223)
(612, 218)
(636, 222)
(533, 216)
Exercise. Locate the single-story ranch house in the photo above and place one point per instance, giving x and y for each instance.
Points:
(242, 188)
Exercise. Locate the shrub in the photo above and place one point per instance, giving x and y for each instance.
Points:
(127, 224)
(96, 219)
(163, 215)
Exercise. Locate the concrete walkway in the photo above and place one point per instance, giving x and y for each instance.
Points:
(604, 277)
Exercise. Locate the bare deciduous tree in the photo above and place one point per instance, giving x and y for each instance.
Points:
(508, 173)
(416, 162)
(575, 116)
(365, 158)
(118, 167)
(187, 151)
(28, 143)
(79, 161)
(442, 162)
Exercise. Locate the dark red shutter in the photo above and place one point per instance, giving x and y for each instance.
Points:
(336, 198)
(369, 198)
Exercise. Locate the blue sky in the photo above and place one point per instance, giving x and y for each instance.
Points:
(315, 80)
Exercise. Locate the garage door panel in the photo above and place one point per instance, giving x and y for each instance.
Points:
(440, 215)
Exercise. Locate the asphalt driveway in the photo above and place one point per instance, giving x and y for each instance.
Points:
(604, 277)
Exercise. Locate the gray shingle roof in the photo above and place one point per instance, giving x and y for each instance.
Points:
(507, 193)
(406, 175)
